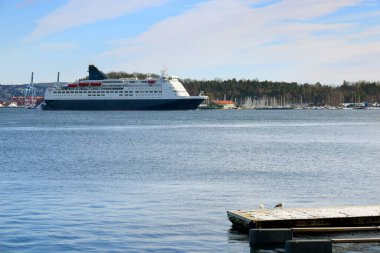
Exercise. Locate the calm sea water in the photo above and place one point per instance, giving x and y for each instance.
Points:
(162, 181)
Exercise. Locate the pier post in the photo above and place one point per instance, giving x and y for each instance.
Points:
(308, 246)
(270, 236)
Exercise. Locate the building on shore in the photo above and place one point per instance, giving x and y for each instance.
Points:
(224, 104)
(22, 100)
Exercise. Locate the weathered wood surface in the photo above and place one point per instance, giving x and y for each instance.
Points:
(356, 240)
(339, 216)
(308, 230)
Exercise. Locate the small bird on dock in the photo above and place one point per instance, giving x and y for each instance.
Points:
(279, 205)
(261, 206)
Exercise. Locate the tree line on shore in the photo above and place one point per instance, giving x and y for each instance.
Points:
(239, 90)
(289, 93)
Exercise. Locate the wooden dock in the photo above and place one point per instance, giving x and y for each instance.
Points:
(339, 216)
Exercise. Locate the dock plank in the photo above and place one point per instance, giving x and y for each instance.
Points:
(306, 217)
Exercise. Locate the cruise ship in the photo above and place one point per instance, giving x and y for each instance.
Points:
(101, 93)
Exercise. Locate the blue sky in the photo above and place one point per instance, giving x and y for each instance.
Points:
(325, 41)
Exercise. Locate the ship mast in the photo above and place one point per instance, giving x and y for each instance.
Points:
(164, 71)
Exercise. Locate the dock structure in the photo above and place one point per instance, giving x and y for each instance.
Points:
(339, 216)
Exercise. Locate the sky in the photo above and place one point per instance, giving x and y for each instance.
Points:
(304, 41)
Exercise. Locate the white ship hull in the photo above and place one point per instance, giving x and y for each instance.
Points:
(165, 93)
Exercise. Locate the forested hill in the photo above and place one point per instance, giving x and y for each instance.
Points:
(241, 90)
(292, 93)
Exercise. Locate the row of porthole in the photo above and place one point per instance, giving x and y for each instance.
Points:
(102, 92)
(121, 95)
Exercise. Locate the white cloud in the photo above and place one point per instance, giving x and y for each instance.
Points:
(79, 12)
(226, 34)
(268, 39)
(299, 10)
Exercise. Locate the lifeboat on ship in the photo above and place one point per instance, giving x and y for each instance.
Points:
(72, 85)
(83, 84)
(151, 81)
(95, 84)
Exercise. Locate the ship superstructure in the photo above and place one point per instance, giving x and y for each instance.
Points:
(101, 93)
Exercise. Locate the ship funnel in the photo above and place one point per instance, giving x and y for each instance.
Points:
(95, 74)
